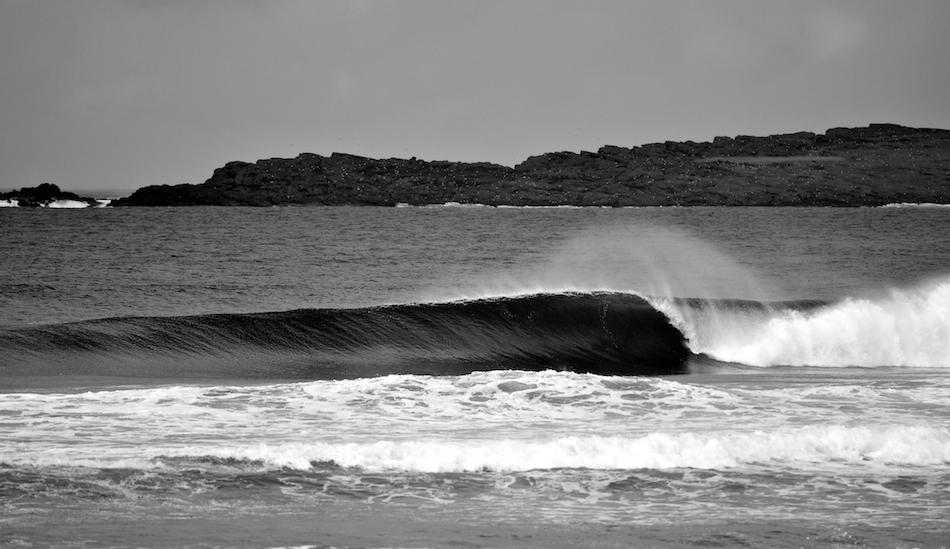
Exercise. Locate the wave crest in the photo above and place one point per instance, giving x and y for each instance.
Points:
(609, 333)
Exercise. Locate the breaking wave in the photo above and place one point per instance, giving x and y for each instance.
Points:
(905, 327)
(604, 333)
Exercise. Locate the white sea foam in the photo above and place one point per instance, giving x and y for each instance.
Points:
(898, 444)
(10, 203)
(456, 205)
(906, 327)
(67, 204)
(486, 420)
(886, 445)
(915, 205)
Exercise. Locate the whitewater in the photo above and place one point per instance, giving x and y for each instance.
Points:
(904, 327)
(431, 377)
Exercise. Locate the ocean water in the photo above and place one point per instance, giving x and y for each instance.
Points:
(475, 377)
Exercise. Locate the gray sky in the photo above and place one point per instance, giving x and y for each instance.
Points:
(121, 94)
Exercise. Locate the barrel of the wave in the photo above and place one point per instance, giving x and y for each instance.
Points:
(642, 340)
(600, 333)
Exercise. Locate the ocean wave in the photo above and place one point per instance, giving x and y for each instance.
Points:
(602, 332)
(614, 334)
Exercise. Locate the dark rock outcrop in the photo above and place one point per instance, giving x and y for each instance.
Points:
(871, 166)
(43, 195)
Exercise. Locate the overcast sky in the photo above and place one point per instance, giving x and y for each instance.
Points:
(123, 94)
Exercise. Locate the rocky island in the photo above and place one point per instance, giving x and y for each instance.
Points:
(46, 195)
(866, 166)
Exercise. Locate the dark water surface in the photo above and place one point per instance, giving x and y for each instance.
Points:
(78, 264)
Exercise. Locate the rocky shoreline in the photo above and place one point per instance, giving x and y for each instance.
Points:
(866, 166)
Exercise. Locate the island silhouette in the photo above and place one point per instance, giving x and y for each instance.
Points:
(866, 166)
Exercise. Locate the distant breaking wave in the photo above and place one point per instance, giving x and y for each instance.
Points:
(77, 204)
(915, 205)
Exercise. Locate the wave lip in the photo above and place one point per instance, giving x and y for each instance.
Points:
(601, 333)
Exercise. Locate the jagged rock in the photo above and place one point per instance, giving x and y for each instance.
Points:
(870, 166)
(43, 195)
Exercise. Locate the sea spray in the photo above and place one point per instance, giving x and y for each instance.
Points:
(635, 258)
